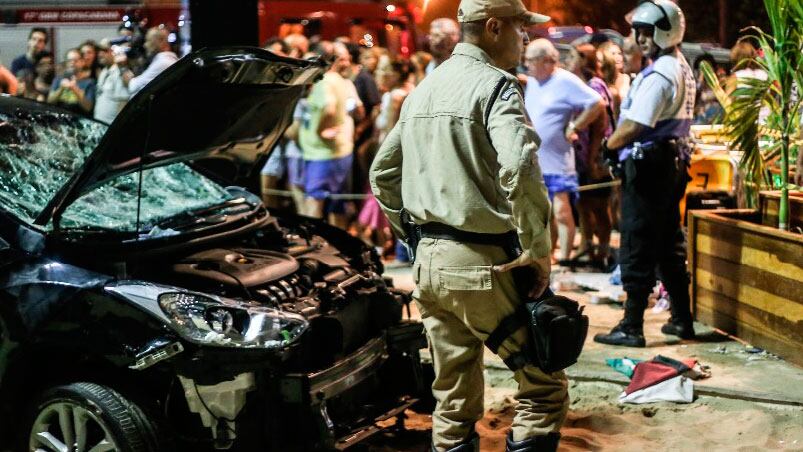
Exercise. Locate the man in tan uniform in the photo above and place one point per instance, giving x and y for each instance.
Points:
(461, 162)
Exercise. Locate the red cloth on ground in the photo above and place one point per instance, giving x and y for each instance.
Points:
(649, 373)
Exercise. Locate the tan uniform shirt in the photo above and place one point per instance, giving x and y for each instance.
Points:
(463, 154)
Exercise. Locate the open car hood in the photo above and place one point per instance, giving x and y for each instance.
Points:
(232, 102)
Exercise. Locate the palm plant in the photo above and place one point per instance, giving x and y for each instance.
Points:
(781, 95)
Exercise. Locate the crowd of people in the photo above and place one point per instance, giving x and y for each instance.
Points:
(573, 101)
(95, 79)
(321, 165)
(338, 126)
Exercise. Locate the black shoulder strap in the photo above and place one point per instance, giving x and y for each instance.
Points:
(505, 329)
(496, 93)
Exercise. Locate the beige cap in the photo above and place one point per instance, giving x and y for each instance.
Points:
(473, 10)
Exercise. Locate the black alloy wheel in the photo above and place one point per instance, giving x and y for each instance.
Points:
(88, 417)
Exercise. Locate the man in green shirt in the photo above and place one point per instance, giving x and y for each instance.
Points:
(326, 137)
(461, 162)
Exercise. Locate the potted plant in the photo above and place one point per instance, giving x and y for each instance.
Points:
(775, 96)
(747, 271)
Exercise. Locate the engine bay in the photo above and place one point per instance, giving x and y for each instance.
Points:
(294, 269)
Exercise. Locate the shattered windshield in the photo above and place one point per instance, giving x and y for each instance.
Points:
(39, 153)
(166, 191)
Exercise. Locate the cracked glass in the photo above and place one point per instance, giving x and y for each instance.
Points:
(40, 152)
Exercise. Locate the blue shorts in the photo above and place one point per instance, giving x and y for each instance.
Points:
(279, 162)
(295, 171)
(561, 183)
(325, 177)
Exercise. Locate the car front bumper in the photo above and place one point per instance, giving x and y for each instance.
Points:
(329, 409)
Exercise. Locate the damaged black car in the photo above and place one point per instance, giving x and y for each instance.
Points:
(146, 304)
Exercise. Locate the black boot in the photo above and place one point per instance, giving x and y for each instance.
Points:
(680, 328)
(630, 331)
(540, 443)
(623, 334)
(470, 444)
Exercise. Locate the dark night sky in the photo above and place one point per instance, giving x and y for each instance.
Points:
(703, 17)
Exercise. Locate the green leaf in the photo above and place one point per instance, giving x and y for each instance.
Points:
(780, 97)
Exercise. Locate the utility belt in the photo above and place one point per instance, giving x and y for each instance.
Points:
(637, 150)
(509, 241)
(672, 148)
(556, 327)
(676, 147)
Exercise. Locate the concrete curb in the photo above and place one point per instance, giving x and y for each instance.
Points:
(712, 391)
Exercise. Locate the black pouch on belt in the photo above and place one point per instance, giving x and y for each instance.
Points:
(556, 330)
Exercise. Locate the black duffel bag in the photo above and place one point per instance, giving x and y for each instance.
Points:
(556, 331)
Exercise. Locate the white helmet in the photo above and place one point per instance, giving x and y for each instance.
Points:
(665, 17)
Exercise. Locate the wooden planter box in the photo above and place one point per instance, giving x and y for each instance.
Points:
(769, 204)
(747, 279)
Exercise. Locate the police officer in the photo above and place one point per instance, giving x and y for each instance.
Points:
(461, 162)
(650, 146)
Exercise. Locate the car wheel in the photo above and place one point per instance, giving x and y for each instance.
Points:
(87, 417)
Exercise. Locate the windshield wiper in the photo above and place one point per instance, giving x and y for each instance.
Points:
(199, 216)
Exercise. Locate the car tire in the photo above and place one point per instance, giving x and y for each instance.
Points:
(92, 415)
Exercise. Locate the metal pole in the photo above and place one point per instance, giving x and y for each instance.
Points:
(723, 22)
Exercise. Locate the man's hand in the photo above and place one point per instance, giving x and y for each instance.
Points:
(571, 132)
(330, 133)
(611, 158)
(542, 267)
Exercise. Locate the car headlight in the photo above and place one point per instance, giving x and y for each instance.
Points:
(228, 323)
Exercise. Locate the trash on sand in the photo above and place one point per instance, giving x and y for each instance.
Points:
(753, 350)
(663, 379)
(661, 305)
(624, 365)
(722, 350)
(616, 276)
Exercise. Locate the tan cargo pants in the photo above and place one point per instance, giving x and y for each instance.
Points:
(462, 300)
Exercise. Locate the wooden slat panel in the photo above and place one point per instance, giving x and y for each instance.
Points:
(718, 319)
(766, 322)
(765, 284)
(757, 327)
(770, 204)
(748, 280)
(745, 220)
(787, 262)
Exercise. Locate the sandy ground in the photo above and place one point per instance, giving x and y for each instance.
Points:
(597, 422)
